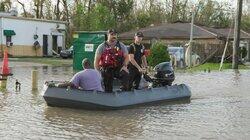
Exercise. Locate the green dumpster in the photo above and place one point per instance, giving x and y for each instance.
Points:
(85, 45)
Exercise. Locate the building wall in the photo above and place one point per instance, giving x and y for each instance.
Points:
(203, 47)
(24, 39)
(20, 50)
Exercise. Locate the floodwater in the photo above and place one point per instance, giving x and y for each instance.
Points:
(219, 109)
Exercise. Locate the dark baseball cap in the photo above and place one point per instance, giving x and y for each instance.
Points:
(112, 31)
(139, 34)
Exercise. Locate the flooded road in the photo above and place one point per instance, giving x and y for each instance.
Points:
(219, 109)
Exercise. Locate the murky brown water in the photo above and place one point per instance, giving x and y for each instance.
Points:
(219, 109)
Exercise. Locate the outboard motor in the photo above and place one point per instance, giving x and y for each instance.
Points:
(164, 74)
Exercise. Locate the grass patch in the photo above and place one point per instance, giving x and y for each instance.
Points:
(214, 66)
(49, 61)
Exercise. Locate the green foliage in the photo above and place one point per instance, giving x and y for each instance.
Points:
(5, 5)
(101, 19)
(246, 22)
(158, 54)
(78, 17)
(126, 15)
(156, 14)
(179, 12)
(243, 52)
(143, 19)
(2, 7)
(127, 25)
(214, 66)
(211, 13)
(124, 9)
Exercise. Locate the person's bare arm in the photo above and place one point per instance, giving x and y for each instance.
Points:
(125, 63)
(98, 54)
(96, 62)
(65, 84)
(144, 61)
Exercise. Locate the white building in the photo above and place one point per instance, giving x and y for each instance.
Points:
(31, 37)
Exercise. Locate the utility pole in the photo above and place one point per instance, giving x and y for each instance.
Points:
(227, 41)
(191, 37)
(235, 62)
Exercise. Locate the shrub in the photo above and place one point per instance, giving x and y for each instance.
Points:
(158, 54)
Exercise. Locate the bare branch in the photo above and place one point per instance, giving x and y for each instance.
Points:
(23, 7)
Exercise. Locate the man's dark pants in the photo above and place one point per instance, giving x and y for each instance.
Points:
(135, 77)
(108, 75)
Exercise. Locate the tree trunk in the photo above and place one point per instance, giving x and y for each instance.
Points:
(89, 6)
(173, 10)
(36, 4)
(5, 5)
(41, 9)
(57, 10)
(237, 35)
(23, 7)
(65, 5)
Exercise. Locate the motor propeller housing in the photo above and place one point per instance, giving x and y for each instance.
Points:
(164, 74)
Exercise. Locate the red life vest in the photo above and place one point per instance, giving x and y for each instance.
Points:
(112, 56)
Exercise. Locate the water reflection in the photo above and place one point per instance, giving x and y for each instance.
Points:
(36, 99)
(236, 77)
(100, 123)
(55, 70)
(67, 69)
(36, 67)
(3, 98)
(45, 69)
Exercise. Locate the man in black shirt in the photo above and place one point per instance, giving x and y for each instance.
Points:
(137, 60)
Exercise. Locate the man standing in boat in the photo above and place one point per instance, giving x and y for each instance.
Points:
(138, 62)
(111, 58)
(88, 79)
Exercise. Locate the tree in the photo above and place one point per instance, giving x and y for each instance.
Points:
(143, 19)
(38, 8)
(124, 9)
(65, 10)
(57, 10)
(48, 10)
(101, 18)
(23, 7)
(78, 16)
(150, 13)
(245, 22)
(211, 13)
(124, 15)
(41, 8)
(156, 13)
(158, 54)
(5, 5)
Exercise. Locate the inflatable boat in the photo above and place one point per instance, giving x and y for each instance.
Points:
(161, 90)
(95, 100)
